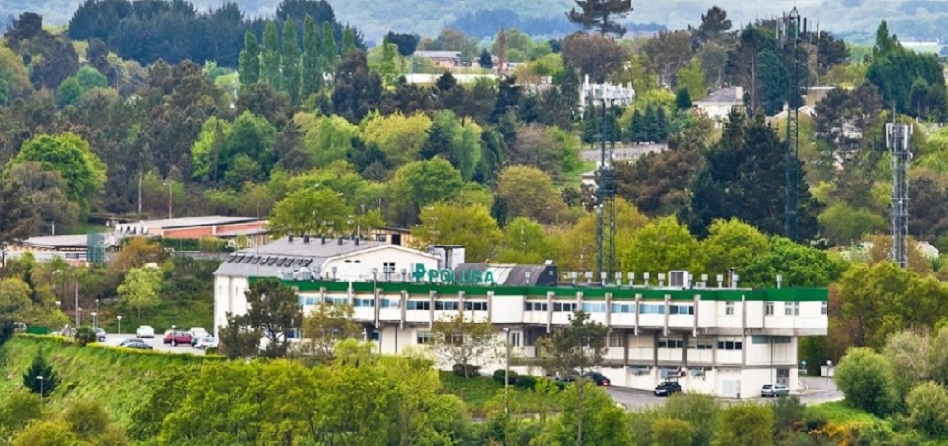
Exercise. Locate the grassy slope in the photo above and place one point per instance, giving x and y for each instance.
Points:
(113, 377)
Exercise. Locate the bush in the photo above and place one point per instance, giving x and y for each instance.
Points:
(526, 382)
(85, 335)
(866, 378)
(40, 369)
(470, 370)
(498, 377)
(86, 418)
(671, 432)
(928, 409)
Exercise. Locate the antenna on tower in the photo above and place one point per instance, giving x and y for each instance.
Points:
(791, 29)
(897, 138)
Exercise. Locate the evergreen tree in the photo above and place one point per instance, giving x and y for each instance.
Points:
(661, 124)
(590, 126)
(290, 62)
(388, 67)
(330, 50)
(683, 99)
(486, 60)
(601, 14)
(249, 63)
(270, 56)
(40, 377)
(348, 40)
(650, 129)
(311, 76)
(637, 127)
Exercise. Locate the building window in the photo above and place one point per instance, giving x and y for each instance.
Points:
(419, 305)
(670, 343)
(534, 306)
(567, 307)
(769, 308)
(594, 307)
(391, 303)
(729, 308)
(423, 337)
(652, 309)
(446, 305)
(381, 238)
(617, 339)
(515, 339)
(363, 303)
(730, 344)
(700, 343)
(388, 267)
(823, 308)
(475, 306)
(336, 300)
(681, 309)
(623, 308)
(791, 309)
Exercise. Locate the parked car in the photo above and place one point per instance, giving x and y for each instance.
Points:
(198, 332)
(130, 341)
(137, 344)
(177, 337)
(100, 335)
(667, 388)
(598, 378)
(206, 342)
(774, 390)
(145, 331)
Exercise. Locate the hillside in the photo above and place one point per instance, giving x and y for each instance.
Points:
(910, 19)
(111, 377)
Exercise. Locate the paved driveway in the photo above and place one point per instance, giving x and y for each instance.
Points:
(813, 390)
(116, 339)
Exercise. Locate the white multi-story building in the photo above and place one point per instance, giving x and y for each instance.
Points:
(722, 341)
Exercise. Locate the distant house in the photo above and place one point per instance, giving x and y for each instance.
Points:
(719, 104)
(443, 59)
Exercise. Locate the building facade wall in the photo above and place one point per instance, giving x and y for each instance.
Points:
(727, 343)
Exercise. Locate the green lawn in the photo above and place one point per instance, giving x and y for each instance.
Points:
(574, 178)
(477, 393)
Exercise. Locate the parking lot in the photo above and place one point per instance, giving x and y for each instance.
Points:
(156, 343)
(813, 390)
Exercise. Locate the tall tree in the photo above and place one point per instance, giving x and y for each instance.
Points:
(357, 90)
(603, 15)
(311, 75)
(330, 49)
(40, 377)
(576, 347)
(348, 40)
(406, 43)
(713, 24)
(464, 341)
(249, 62)
(290, 62)
(270, 56)
(69, 155)
(273, 312)
(471, 226)
(140, 288)
(18, 214)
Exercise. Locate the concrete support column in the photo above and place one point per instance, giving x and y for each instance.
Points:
(549, 311)
(684, 349)
(432, 296)
(608, 309)
(667, 313)
(638, 304)
(655, 351)
(402, 307)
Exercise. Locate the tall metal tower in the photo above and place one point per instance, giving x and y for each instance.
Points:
(791, 30)
(897, 140)
(606, 96)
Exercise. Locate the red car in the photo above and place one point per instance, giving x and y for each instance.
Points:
(177, 337)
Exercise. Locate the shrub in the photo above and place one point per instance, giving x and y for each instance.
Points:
(671, 432)
(498, 377)
(86, 418)
(928, 409)
(526, 382)
(40, 369)
(468, 370)
(866, 378)
(85, 335)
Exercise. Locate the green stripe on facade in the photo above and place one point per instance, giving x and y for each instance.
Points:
(566, 292)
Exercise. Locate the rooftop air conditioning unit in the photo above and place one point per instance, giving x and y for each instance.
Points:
(678, 279)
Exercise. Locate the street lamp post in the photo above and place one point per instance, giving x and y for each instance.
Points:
(119, 317)
(829, 367)
(506, 369)
(95, 320)
(42, 381)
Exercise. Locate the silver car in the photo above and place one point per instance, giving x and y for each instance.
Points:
(774, 390)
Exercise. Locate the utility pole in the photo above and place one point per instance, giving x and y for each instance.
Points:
(897, 140)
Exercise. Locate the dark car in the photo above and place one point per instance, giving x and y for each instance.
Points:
(667, 388)
(131, 340)
(598, 378)
(176, 337)
(137, 345)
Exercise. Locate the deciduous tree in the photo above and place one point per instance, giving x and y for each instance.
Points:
(140, 288)
(464, 341)
(528, 192)
(867, 380)
(310, 212)
(325, 326)
(470, 226)
(249, 65)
